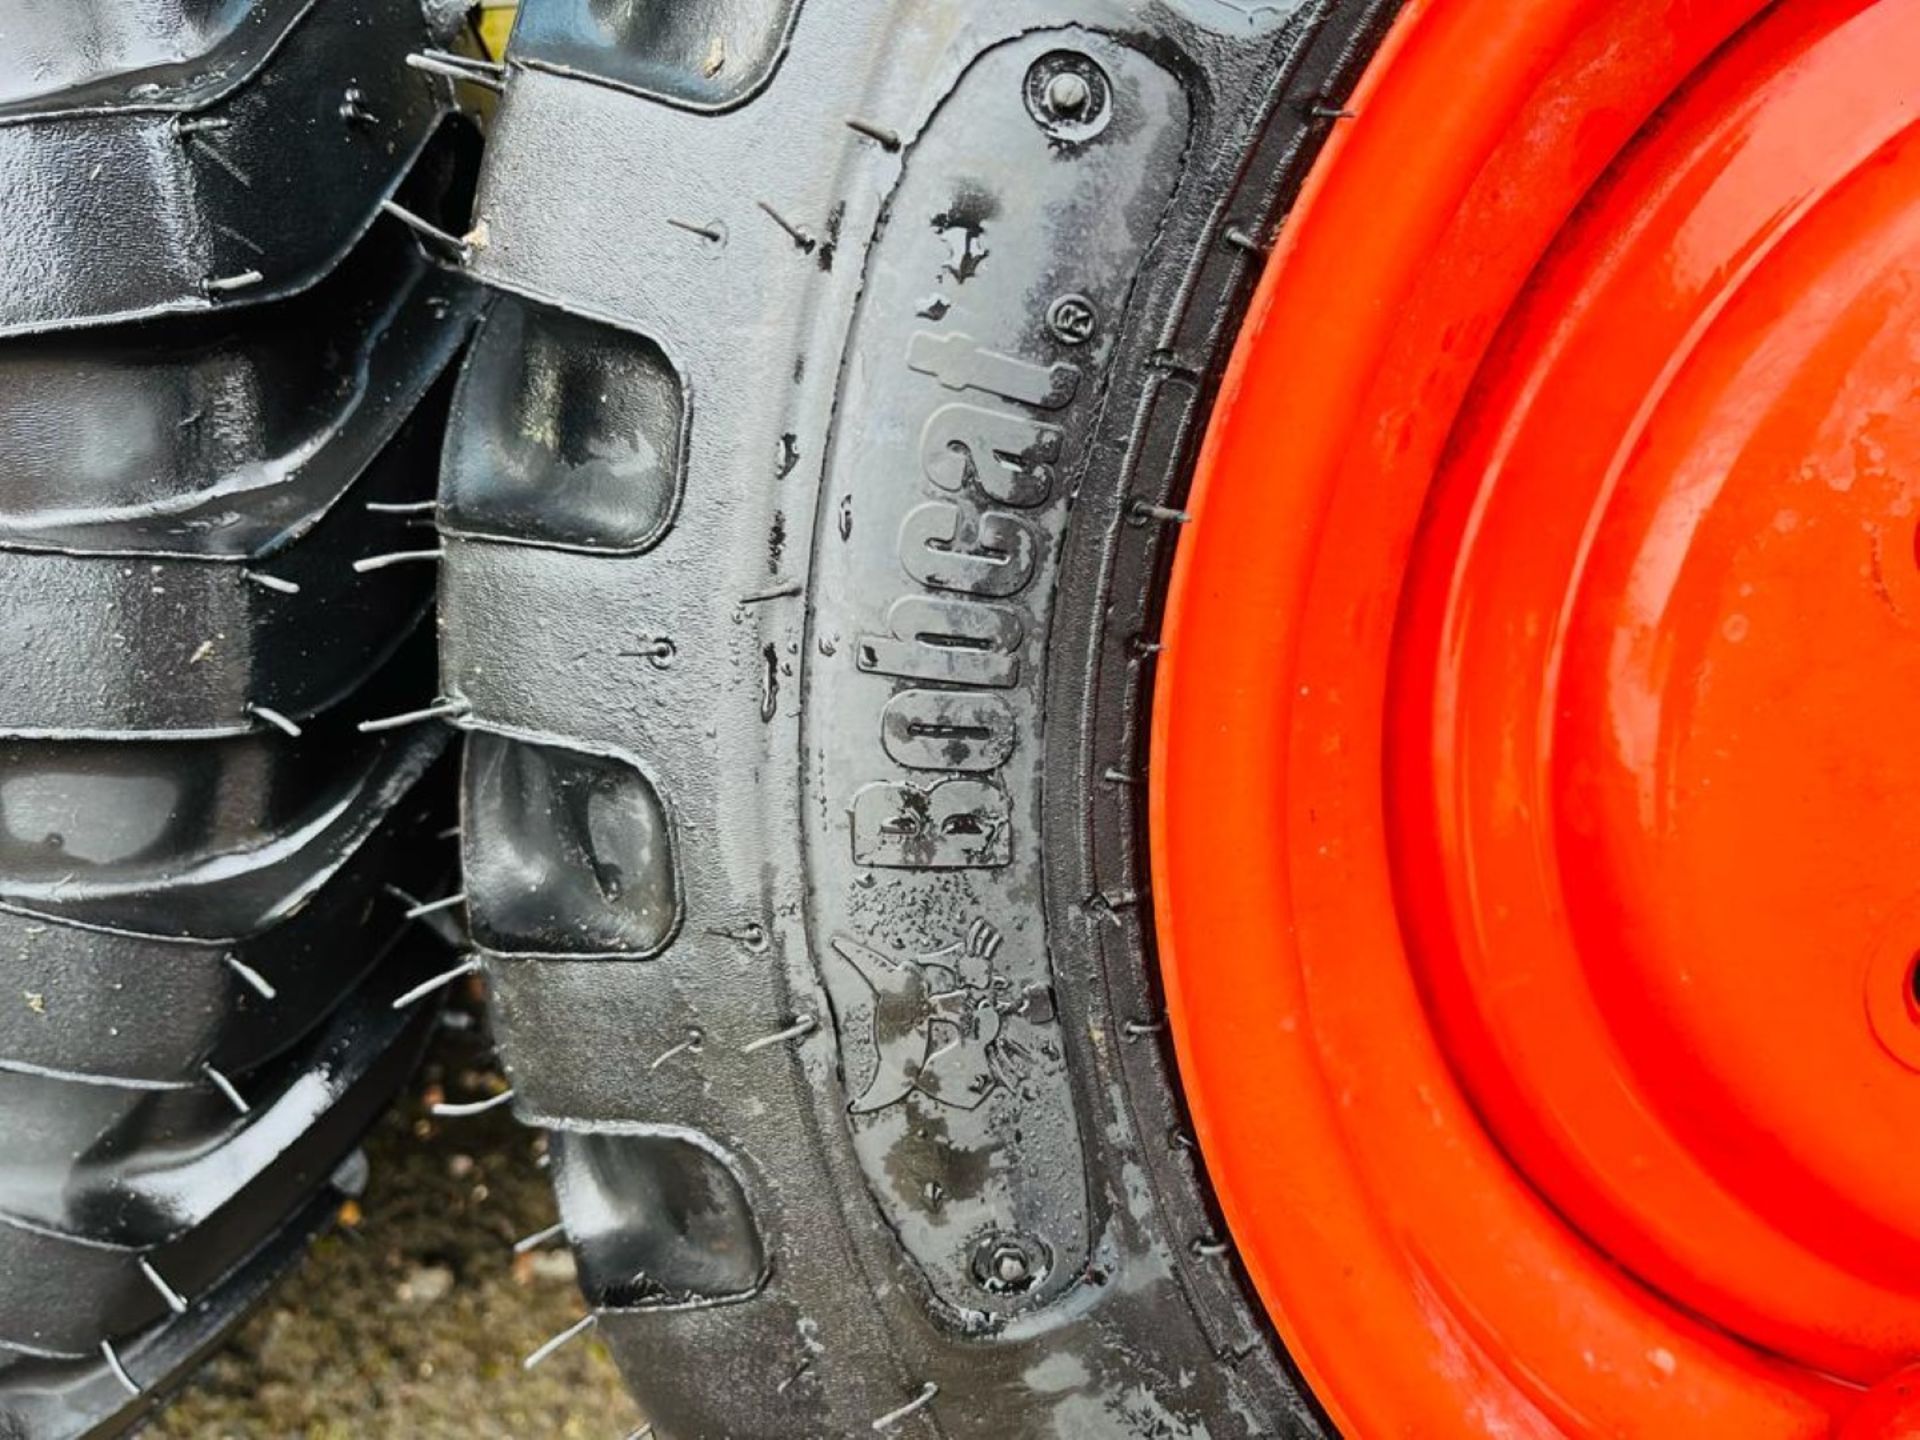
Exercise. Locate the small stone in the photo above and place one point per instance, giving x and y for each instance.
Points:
(424, 1285)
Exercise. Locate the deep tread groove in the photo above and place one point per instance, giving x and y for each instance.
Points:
(198, 952)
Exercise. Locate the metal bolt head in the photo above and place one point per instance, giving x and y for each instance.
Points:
(1009, 1264)
(1069, 96)
(1068, 93)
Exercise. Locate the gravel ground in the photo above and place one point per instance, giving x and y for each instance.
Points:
(411, 1318)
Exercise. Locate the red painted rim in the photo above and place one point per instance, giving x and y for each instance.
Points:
(1535, 801)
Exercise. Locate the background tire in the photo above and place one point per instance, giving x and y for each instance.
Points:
(806, 511)
(220, 386)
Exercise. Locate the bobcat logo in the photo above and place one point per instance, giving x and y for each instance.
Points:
(929, 1024)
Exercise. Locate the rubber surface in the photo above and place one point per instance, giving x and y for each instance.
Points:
(231, 174)
(204, 864)
(805, 509)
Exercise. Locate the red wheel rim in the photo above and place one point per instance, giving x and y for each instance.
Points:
(1535, 837)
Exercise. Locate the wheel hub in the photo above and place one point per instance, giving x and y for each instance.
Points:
(1540, 669)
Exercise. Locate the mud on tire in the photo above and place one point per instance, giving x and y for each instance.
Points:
(805, 505)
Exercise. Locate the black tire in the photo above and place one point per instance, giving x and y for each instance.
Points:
(804, 520)
(200, 852)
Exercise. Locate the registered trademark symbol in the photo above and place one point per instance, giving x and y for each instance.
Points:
(1071, 319)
